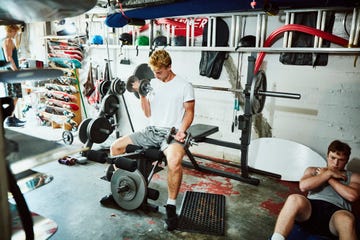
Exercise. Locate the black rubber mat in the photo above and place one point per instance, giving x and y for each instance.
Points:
(203, 213)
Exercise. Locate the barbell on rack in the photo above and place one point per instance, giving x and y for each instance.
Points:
(257, 92)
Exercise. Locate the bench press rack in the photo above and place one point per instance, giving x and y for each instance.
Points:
(254, 95)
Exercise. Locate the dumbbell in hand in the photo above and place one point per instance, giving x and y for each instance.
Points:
(137, 86)
(188, 140)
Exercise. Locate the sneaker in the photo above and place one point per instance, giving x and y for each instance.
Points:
(171, 220)
(108, 199)
(14, 122)
(18, 120)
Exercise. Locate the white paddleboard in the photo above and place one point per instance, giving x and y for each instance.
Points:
(284, 157)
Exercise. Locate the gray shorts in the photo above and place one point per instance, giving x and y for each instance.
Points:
(151, 137)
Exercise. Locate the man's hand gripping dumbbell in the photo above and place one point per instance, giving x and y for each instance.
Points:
(181, 137)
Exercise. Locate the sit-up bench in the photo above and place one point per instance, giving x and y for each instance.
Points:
(200, 133)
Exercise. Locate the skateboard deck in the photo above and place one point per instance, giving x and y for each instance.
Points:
(65, 56)
(284, 157)
(63, 88)
(64, 44)
(43, 227)
(62, 104)
(63, 96)
(65, 62)
(47, 118)
(66, 80)
(59, 111)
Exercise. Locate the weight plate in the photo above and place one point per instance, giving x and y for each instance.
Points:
(104, 87)
(68, 137)
(110, 104)
(257, 101)
(129, 83)
(144, 87)
(99, 130)
(143, 71)
(134, 192)
(118, 86)
(83, 135)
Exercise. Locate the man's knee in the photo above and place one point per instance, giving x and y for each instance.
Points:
(174, 155)
(297, 200)
(343, 217)
(119, 146)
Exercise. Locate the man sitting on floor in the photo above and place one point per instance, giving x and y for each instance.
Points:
(326, 210)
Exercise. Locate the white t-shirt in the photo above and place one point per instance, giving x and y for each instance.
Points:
(167, 101)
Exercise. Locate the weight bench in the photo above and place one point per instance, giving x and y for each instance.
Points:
(200, 133)
(129, 182)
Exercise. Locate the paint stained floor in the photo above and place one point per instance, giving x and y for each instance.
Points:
(71, 199)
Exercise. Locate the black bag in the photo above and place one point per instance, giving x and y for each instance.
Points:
(300, 39)
(211, 62)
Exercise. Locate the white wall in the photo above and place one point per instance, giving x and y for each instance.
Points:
(329, 107)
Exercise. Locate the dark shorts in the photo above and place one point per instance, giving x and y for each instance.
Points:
(318, 222)
(13, 90)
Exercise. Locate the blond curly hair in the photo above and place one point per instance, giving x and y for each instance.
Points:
(9, 28)
(159, 59)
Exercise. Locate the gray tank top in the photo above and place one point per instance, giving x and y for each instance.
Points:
(328, 194)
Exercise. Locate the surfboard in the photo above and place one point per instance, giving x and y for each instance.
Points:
(284, 157)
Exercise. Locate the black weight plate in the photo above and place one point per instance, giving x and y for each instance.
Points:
(118, 86)
(257, 101)
(68, 137)
(110, 104)
(130, 81)
(144, 87)
(99, 130)
(136, 191)
(104, 87)
(83, 135)
(143, 71)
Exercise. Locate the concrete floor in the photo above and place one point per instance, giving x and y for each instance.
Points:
(71, 199)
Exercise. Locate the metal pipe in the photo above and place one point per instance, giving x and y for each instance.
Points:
(357, 32)
(187, 32)
(232, 31)
(292, 19)
(258, 26)
(263, 27)
(213, 43)
(352, 30)
(278, 94)
(286, 34)
(209, 28)
(262, 93)
(192, 39)
(323, 23)
(318, 24)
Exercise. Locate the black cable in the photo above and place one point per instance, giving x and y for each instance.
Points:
(127, 112)
(22, 208)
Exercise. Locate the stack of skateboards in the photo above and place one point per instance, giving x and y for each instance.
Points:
(62, 105)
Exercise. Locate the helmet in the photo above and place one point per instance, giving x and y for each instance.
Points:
(126, 38)
(180, 41)
(247, 41)
(160, 41)
(97, 39)
(142, 41)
